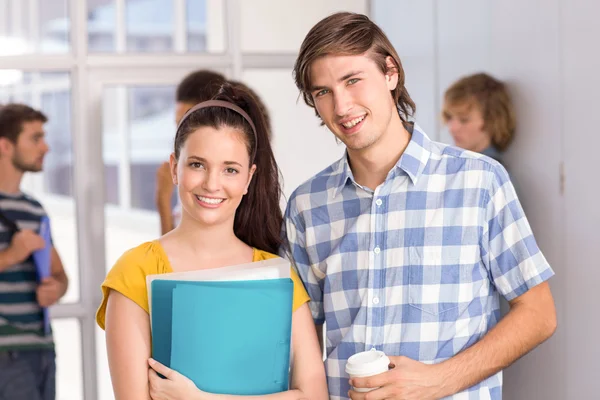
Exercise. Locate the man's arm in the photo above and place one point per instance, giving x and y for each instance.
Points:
(7, 259)
(164, 192)
(57, 271)
(52, 288)
(530, 321)
(23, 243)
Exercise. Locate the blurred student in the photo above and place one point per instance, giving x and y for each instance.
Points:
(479, 115)
(27, 357)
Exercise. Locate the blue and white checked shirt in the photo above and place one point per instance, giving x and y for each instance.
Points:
(416, 267)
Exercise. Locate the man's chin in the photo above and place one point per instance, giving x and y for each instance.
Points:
(32, 168)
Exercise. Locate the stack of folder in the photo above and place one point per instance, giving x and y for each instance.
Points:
(226, 329)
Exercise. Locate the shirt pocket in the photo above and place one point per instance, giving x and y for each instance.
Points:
(442, 281)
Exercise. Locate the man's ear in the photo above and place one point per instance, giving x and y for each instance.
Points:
(391, 75)
(173, 168)
(6, 146)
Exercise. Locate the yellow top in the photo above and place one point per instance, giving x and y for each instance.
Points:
(128, 276)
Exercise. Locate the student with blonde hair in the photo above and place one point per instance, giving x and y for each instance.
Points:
(479, 114)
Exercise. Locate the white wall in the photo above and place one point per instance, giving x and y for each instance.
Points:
(547, 52)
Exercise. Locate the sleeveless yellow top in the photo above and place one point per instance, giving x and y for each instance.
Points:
(128, 276)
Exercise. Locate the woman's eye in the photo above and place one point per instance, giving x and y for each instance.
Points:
(196, 165)
(231, 171)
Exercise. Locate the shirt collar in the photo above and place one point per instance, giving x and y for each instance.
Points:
(416, 155)
(413, 161)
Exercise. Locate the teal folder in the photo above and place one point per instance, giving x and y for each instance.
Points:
(228, 337)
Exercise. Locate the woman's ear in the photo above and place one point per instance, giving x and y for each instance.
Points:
(250, 176)
(173, 165)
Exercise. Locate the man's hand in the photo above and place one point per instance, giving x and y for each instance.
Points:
(49, 291)
(407, 380)
(23, 244)
(164, 185)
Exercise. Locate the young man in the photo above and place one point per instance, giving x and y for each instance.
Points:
(199, 86)
(27, 359)
(405, 244)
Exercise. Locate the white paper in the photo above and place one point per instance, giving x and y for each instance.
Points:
(273, 268)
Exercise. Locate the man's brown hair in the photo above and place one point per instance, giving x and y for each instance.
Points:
(491, 97)
(348, 33)
(12, 118)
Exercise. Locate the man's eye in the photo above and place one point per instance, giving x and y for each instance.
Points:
(353, 81)
(322, 92)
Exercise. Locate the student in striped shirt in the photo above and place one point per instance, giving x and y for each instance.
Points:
(27, 358)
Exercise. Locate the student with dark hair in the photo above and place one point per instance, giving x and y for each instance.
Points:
(228, 183)
(195, 88)
(405, 245)
(27, 357)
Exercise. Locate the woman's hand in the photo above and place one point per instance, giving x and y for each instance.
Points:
(174, 387)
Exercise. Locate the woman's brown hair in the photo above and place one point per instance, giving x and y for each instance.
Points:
(258, 218)
(490, 96)
(348, 33)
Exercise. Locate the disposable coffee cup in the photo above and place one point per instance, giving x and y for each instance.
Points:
(367, 363)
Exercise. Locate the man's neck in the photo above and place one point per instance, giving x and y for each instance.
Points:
(10, 179)
(371, 166)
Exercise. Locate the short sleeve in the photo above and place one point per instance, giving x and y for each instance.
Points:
(128, 277)
(294, 249)
(509, 248)
(300, 295)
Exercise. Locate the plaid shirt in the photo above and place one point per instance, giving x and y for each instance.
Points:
(416, 267)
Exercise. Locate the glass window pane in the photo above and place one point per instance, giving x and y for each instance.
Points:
(291, 21)
(39, 26)
(102, 25)
(138, 131)
(205, 21)
(152, 26)
(151, 133)
(298, 138)
(69, 374)
(51, 93)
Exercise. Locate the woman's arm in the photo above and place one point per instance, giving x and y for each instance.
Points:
(128, 344)
(308, 371)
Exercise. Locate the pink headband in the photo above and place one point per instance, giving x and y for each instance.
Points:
(224, 104)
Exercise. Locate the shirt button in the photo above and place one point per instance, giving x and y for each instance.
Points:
(375, 300)
(377, 250)
(379, 202)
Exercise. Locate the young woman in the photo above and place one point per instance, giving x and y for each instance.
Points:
(228, 182)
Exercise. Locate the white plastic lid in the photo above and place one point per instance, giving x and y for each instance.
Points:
(367, 363)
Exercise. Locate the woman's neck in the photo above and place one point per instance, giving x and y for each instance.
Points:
(192, 245)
